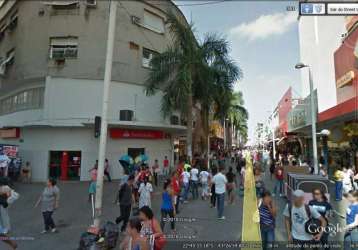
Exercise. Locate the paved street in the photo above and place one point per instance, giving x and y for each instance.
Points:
(74, 216)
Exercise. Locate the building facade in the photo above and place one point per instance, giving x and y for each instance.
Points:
(319, 37)
(52, 70)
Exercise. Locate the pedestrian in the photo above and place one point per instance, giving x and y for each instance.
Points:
(322, 171)
(347, 181)
(194, 182)
(272, 168)
(156, 170)
(134, 240)
(267, 211)
(220, 188)
(351, 229)
(166, 166)
(321, 204)
(151, 228)
(338, 176)
(168, 206)
(106, 170)
(49, 200)
(204, 180)
(231, 185)
(296, 216)
(7, 197)
(92, 186)
(126, 199)
(214, 171)
(175, 186)
(279, 177)
(242, 177)
(185, 176)
(145, 193)
(259, 183)
(26, 173)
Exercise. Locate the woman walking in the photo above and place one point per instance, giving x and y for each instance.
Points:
(168, 206)
(267, 211)
(231, 184)
(134, 240)
(49, 200)
(321, 204)
(151, 228)
(145, 193)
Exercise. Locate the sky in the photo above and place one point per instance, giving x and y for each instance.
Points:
(264, 42)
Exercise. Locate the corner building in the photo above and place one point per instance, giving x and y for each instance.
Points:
(51, 84)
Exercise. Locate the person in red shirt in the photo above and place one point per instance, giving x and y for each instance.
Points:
(166, 166)
(175, 184)
(279, 175)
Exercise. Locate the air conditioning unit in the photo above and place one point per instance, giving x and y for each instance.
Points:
(135, 20)
(126, 115)
(174, 120)
(91, 3)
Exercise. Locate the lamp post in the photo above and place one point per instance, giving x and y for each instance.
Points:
(313, 116)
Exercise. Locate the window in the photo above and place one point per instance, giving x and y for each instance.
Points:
(13, 21)
(153, 22)
(174, 120)
(9, 60)
(126, 115)
(63, 48)
(147, 57)
(62, 5)
(24, 100)
(2, 31)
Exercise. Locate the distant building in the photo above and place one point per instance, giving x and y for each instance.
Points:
(51, 77)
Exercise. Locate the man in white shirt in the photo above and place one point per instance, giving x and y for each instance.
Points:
(194, 182)
(296, 215)
(185, 179)
(204, 179)
(220, 188)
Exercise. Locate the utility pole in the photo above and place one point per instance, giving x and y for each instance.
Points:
(104, 123)
(313, 120)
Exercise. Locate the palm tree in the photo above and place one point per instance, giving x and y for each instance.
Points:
(174, 71)
(238, 115)
(216, 83)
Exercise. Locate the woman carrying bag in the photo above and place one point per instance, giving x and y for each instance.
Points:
(151, 229)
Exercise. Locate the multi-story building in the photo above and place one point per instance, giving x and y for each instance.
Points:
(319, 37)
(52, 69)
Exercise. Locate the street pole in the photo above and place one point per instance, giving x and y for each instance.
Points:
(313, 120)
(224, 133)
(273, 139)
(104, 124)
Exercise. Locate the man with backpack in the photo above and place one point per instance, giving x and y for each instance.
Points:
(125, 198)
(303, 223)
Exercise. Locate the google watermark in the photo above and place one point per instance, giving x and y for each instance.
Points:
(330, 229)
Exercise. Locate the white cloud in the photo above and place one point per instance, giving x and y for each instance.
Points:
(265, 26)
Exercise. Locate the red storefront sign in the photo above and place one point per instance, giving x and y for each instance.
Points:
(117, 133)
(10, 133)
(284, 107)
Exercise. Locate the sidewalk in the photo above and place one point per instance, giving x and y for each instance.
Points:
(197, 221)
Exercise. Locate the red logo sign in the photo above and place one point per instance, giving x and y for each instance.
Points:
(117, 133)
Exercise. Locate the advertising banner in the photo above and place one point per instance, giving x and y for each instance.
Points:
(117, 133)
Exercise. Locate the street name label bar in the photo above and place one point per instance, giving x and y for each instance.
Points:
(328, 8)
(347, 9)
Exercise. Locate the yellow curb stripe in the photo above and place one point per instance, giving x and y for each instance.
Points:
(250, 222)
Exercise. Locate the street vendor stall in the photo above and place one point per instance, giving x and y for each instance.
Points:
(306, 183)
